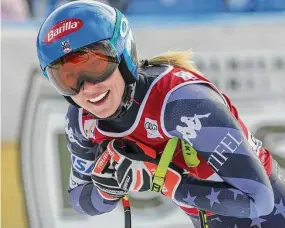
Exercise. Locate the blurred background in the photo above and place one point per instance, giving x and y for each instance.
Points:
(238, 44)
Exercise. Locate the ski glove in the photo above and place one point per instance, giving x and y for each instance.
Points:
(122, 167)
(103, 175)
(131, 165)
(139, 151)
(126, 166)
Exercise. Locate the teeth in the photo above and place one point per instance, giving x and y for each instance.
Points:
(98, 98)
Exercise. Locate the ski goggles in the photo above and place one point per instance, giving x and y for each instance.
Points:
(94, 63)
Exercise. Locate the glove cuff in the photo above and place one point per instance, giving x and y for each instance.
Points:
(107, 196)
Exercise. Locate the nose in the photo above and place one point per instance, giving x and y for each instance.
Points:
(88, 86)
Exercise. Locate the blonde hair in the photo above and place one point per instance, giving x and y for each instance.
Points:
(180, 59)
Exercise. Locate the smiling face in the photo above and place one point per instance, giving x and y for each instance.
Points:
(104, 98)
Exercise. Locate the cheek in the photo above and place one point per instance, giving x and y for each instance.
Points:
(74, 98)
(120, 92)
(119, 88)
(122, 87)
(77, 99)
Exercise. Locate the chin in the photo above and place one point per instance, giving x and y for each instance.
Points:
(103, 115)
(105, 112)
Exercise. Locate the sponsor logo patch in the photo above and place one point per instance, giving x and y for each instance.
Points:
(81, 165)
(193, 124)
(89, 127)
(66, 46)
(151, 127)
(124, 27)
(185, 75)
(63, 28)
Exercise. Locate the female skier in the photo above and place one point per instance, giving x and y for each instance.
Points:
(123, 113)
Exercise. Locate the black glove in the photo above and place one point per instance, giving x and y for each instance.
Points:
(133, 167)
(103, 174)
(124, 166)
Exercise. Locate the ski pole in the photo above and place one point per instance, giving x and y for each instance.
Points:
(158, 178)
(163, 165)
(158, 181)
(203, 219)
(127, 211)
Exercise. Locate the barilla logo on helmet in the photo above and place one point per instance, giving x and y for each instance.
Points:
(62, 29)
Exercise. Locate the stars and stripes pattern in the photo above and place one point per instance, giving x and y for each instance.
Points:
(239, 170)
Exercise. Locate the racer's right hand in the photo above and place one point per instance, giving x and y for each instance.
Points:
(103, 176)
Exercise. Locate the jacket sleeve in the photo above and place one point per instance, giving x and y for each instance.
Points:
(197, 114)
(83, 196)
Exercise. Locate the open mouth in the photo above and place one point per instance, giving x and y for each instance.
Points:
(100, 98)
